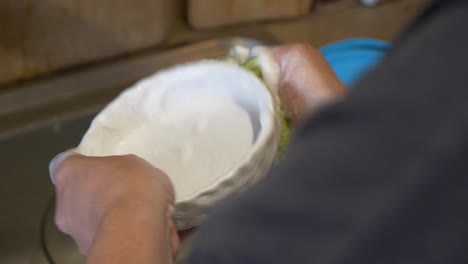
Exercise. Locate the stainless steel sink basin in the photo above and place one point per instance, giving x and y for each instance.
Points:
(41, 118)
(26, 188)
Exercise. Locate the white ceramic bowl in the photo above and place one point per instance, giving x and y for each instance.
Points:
(215, 77)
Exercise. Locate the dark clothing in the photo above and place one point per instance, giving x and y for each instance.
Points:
(381, 177)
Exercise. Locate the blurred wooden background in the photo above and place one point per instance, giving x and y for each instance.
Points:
(42, 36)
(38, 36)
(213, 13)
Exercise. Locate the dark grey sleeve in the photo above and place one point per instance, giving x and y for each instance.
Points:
(381, 177)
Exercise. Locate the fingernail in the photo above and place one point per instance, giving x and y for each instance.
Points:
(56, 161)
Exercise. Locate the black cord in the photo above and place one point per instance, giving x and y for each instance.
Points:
(42, 233)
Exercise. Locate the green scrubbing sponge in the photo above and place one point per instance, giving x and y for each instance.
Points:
(253, 65)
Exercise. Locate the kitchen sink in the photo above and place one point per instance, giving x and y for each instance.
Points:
(41, 118)
(27, 190)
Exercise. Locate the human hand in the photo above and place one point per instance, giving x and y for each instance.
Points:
(307, 82)
(99, 199)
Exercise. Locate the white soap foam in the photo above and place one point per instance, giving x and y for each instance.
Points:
(194, 138)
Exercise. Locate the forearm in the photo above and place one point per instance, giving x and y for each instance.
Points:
(132, 234)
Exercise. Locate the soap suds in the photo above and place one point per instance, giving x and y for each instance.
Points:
(194, 138)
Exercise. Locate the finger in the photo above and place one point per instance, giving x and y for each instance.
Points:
(161, 178)
(59, 218)
(83, 247)
(57, 161)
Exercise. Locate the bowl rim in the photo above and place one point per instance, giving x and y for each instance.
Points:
(267, 117)
(267, 127)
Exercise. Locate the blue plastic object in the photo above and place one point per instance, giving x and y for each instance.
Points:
(352, 58)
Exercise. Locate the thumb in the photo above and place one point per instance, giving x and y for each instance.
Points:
(57, 161)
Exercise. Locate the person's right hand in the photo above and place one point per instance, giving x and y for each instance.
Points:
(307, 82)
(115, 207)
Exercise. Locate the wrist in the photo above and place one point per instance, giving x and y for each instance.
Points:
(133, 231)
